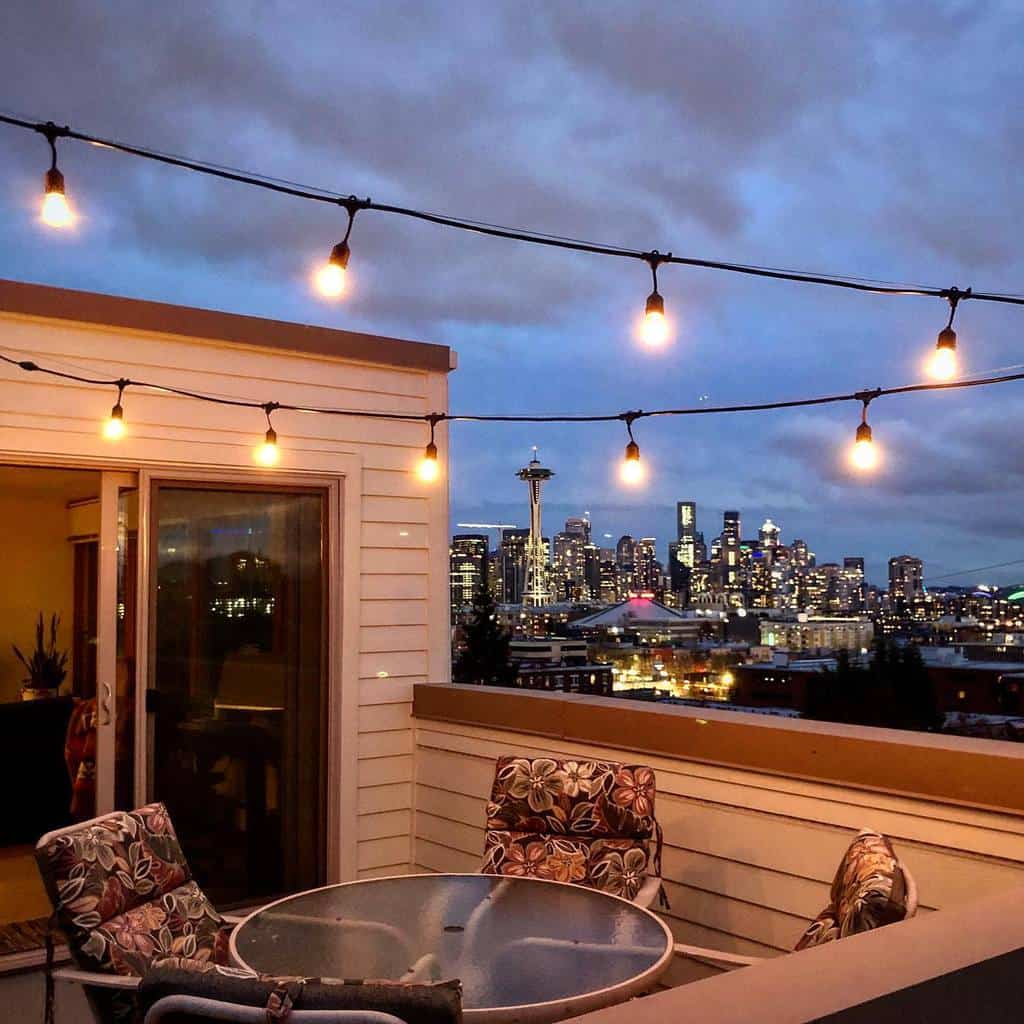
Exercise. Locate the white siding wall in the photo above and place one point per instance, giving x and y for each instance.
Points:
(394, 549)
(748, 856)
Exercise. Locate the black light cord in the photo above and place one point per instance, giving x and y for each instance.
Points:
(433, 418)
(653, 258)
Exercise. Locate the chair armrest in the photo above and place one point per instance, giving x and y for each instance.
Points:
(716, 956)
(95, 979)
(648, 893)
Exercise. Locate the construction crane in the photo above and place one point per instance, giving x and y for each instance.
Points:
(487, 526)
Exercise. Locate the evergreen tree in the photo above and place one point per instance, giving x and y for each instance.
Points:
(485, 657)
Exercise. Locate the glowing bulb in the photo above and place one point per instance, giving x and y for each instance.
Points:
(864, 454)
(56, 212)
(631, 472)
(268, 453)
(428, 469)
(654, 328)
(113, 428)
(942, 364)
(330, 278)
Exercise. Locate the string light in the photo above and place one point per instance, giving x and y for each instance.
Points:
(330, 278)
(428, 468)
(268, 453)
(654, 329)
(56, 211)
(942, 364)
(113, 427)
(631, 472)
(864, 454)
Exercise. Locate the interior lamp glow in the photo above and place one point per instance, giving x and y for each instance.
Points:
(268, 453)
(330, 278)
(942, 364)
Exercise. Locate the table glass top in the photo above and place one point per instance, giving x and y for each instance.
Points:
(511, 941)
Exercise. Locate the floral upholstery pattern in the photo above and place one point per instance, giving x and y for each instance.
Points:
(123, 894)
(590, 822)
(869, 890)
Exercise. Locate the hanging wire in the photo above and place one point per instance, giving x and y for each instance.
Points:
(865, 396)
(283, 186)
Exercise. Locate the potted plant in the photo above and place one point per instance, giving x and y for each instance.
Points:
(47, 667)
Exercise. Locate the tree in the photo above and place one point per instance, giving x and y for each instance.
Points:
(485, 657)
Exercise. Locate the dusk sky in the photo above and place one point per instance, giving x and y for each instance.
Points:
(879, 140)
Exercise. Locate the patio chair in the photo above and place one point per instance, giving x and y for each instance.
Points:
(583, 821)
(123, 896)
(871, 888)
(179, 990)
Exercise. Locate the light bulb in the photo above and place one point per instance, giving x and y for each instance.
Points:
(631, 472)
(268, 453)
(113, 428)
(942, 364)
(330, 278)
(864, 454)
(654, 327)
(55, 212)
(428, 469)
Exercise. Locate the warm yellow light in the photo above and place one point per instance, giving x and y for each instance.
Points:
(113, 428)
(864, 455)
(654, 329)
(330, 280)
(942, 364)
(631, 472)
(56, 211)
(267, 453)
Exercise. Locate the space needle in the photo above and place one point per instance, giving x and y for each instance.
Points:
(535, 590)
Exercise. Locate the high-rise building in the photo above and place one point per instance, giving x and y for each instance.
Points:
(851, 585)
(730, 552)
(467, 567)
(906, 581)
(625, 550)
(731, 524)
(535, 588)
(580, 525)
(569, 561)
(686, 532)
(514, 544)
(768, 535)
(645, 565)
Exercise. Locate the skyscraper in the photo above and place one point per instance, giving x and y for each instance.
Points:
(467, 567)
(906, 580)
(514, 544)
(730, 551)
(851, 585)
(535, 590)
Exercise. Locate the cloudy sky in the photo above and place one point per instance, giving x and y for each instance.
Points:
(881, 140)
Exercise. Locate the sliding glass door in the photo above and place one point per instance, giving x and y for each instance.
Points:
(237, 691)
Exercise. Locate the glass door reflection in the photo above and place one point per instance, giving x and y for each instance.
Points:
(237, 688)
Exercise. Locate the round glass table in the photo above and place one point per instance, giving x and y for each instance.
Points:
(526, 950)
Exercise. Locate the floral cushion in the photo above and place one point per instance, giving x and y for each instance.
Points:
(573, 821)
(869, 890)
(123, 894)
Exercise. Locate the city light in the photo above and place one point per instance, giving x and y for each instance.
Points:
(942, 364)
(268, 453)
(330, 278)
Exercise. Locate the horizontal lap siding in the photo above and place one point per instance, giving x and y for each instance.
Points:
(748, 857)
(398, 589)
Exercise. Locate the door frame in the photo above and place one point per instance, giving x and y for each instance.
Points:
(341, 570)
